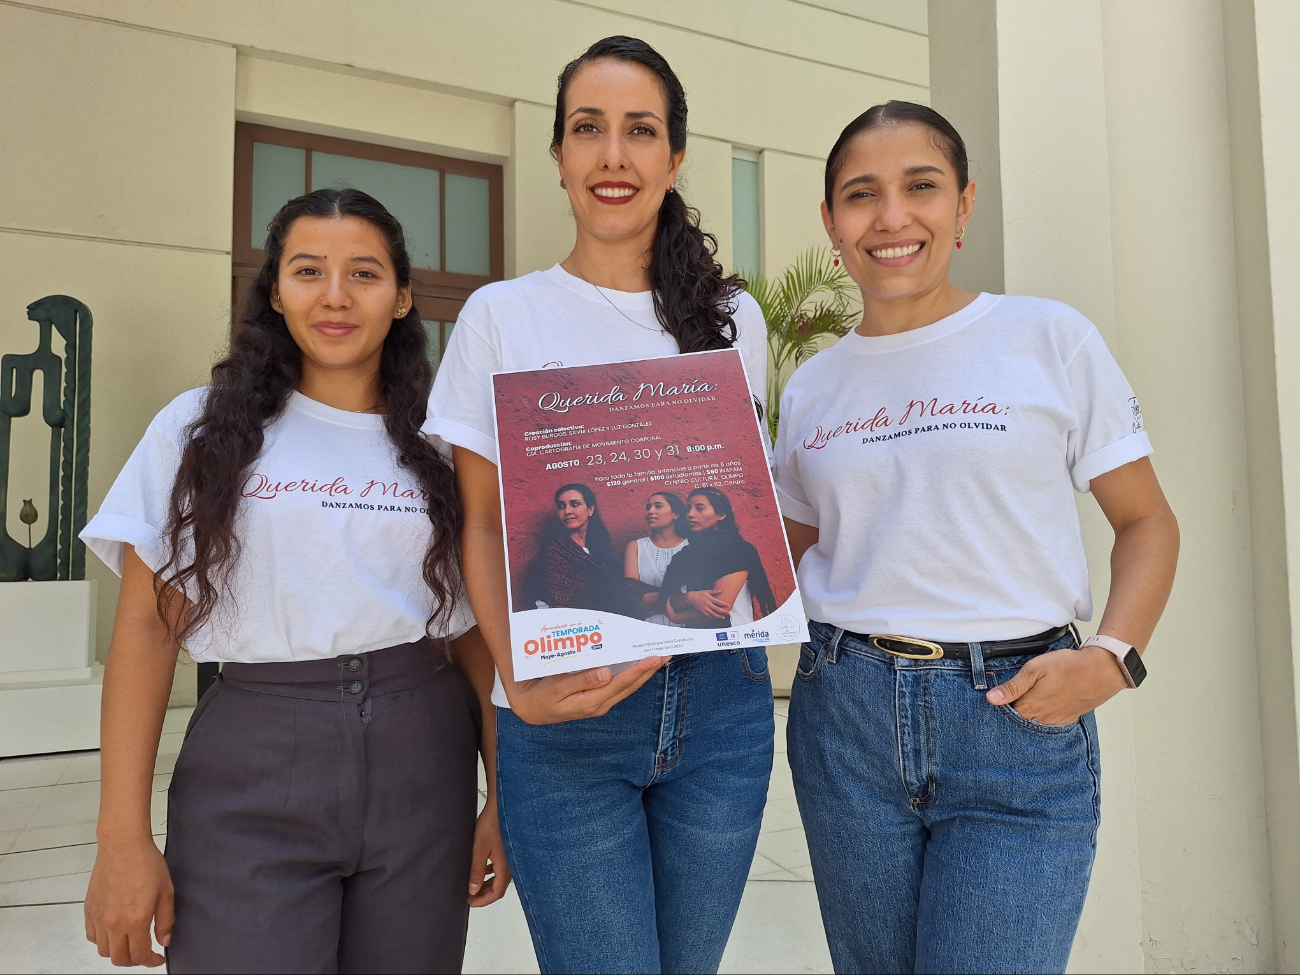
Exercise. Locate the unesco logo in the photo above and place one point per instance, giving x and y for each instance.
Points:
(726, 637)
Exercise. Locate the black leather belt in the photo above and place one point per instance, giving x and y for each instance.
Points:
(913, 649)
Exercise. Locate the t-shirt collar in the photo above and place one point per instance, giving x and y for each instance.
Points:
(630, 301)
(878, 344)
(314, 408)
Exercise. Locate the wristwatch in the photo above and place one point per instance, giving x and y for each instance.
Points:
(1130, 661)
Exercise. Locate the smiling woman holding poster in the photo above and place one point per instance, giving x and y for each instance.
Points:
(602, 817)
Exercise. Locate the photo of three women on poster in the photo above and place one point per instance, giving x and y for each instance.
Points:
(692, 567)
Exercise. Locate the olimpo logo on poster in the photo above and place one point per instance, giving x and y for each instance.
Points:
(565, 640)
(640, 515)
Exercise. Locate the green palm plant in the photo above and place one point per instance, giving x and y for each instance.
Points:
(812, 299)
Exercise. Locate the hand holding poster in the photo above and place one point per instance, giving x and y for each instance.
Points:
(640, 516)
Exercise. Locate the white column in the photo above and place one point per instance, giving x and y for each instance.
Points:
(1262, 46)
(1108, 125)
(1203, 841)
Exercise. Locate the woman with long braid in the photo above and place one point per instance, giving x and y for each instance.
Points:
(607, 820)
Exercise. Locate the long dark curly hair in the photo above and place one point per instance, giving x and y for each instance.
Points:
(694, 300)
(250, 388)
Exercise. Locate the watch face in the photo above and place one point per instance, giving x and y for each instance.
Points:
(1136, 669)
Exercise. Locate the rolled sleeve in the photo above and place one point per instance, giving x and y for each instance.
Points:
(107, 535)
(136, 509)
(460, 411)
(449, 432)
(1109, 458)
(795, 509)
(1108, 431)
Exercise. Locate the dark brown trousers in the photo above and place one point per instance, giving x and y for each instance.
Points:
(321, 817)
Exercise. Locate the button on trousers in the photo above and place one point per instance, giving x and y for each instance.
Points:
(321, 817)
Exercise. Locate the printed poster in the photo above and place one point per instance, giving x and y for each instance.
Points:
(640, 515)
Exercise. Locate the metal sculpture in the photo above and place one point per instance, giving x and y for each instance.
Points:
(59, 554)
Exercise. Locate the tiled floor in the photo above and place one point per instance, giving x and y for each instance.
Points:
(47, 846)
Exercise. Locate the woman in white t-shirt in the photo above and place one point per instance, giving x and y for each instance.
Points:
(607, 820)
(941, 731)
(646, 559)
(289, 522)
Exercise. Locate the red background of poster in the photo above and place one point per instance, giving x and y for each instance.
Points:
(528, 489)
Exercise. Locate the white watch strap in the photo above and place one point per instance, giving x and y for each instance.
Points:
(1118, 647)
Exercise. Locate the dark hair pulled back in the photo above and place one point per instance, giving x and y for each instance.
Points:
(677, 505)
(721, 505)
(892, 113)
(250, 388)
(694, 299)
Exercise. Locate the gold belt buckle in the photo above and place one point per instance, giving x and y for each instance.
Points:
(935, 651)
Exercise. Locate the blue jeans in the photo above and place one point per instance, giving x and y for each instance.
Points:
(946, 834)
(630, 835)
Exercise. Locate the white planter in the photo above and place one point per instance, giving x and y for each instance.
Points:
(50, 684)
(51, 716)
(47, 631)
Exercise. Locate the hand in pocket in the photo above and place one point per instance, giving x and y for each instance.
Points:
(1059, 687)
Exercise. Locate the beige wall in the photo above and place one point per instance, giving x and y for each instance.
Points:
(749, 63)
(123, 134)
(445, 77)
(325, 100)
(125, 208)
(1130, 162)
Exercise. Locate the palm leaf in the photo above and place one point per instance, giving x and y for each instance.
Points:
(812, 299)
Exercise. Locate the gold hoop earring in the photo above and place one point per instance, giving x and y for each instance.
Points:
(961, 232)
(835, 253)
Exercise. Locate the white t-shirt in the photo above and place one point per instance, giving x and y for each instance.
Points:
(652, 561)
(333, 532)
(939, 466)
(550, 319)
(651, 564)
